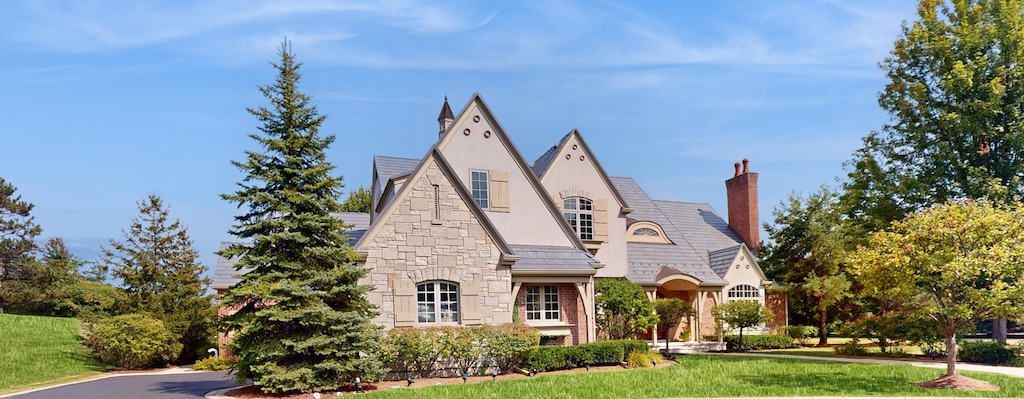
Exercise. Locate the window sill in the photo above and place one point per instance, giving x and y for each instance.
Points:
(552, 327)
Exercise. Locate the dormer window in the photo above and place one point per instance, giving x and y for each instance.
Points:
(646, 232)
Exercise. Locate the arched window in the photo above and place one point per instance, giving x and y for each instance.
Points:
(437, 302)
(744, 292)
(579, 212)
(646, 231)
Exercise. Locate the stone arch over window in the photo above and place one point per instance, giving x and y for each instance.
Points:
(646, 232)
(437, 302)
(744, 292)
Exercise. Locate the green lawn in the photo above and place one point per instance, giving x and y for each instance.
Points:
(36, 349)
(830, 352)
(719, 376)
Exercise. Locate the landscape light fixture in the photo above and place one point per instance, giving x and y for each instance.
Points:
(409, 381)
(464, 377)
(655, 362)
(494, 374)
(212, 351)
(316, 395)
(359, 388)
(587, 366)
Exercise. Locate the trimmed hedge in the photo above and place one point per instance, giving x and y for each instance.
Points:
(757, 342)
(988, 352)
(602, 353)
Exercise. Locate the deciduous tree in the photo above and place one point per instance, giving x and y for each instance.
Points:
(357, 201)
(303, 321)
(741, 315)
(967, 257)
(671, 312)
(623, 309)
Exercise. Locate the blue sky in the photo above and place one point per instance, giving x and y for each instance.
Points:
(105, 102)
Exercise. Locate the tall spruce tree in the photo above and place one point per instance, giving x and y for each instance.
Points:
(18, 231)
(161, 276)
(303, 322)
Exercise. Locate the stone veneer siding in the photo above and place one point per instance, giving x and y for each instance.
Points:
(413, 246)
(571, 311)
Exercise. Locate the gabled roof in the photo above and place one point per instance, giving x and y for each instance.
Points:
(435, 155)
(721, 259)
(499, 132)
(225, 274)
(392, 167)
(541, 166)
(699, 225)
(646, 260)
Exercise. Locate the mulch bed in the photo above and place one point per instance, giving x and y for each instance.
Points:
(958, 382)
(252, 392)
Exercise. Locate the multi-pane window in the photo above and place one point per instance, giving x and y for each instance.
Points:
(478, 181)
(437, 302)
(542, 302)
(744, 292)
(579, 212)
(646, 231)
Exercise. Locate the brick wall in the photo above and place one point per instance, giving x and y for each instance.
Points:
(777, 303)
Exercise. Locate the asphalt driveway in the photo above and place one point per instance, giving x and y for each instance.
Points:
(174, 384)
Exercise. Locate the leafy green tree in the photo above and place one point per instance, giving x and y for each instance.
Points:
(966, 256)
(161, 276)
(303, 321)
(18, 231)
(808, 243)
(57, 277)
(623, 309)
(956, 103)
(133, 341)
(357, 201)
(671, 312)
(741, 315)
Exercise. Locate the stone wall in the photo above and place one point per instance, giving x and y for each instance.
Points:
(437, 239)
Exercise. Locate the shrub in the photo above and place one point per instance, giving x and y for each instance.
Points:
(133, 341)
(802, 333)
(988, 352)
(640, 359)
(622, 308)
(214, 363)
(851, 347)
(630, 346)
(547, 358)
(460, 346)
(508, 344)
(607, 352)
(758, 342)
(602, 353)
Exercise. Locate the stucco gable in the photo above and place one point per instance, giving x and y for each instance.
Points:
(476, 141)
(572, 148)
(743, 262)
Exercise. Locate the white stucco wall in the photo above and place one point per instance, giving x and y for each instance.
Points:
(528, 222)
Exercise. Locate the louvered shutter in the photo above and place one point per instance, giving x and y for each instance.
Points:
(470, 302)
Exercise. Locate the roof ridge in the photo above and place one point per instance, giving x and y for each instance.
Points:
(393, 157)
(682, 202)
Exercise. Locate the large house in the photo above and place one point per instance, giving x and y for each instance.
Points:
(471, 233)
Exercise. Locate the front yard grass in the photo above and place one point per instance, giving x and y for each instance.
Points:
(719, 376)
(35, 349)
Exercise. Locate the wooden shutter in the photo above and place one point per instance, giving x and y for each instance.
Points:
(601, 220)
(499, 191)
(405, 303)
(470, 302)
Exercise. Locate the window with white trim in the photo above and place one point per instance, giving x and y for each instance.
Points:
(478, 183)
(579, 212)
(542, 302)
(437, 302)
(744, 292)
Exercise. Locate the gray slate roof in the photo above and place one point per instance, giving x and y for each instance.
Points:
(541, 165)
(694, 228)
(540, 257)
(390, 167)
(225, 275)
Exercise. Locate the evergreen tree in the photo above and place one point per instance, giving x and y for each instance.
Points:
(162, 277)
(17, 244)
(303, 322)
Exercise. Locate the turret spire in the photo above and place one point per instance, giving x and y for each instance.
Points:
(445, 119)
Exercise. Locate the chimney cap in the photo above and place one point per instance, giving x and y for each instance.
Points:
(746, 168)
(737, 166)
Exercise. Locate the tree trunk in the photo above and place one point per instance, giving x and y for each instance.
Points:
(741, 339)
(999, 330)
(950, 350)
(823, 327)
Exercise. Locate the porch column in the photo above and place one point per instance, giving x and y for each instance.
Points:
(653, 296)
(699, 310)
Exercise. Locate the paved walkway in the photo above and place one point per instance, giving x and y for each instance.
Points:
(1010, 371)
(175, 383)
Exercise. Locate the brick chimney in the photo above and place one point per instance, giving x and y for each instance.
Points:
(741, 191)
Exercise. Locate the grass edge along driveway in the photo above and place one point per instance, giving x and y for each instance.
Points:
(721, 376)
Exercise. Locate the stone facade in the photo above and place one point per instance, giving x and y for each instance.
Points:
(427, 238)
